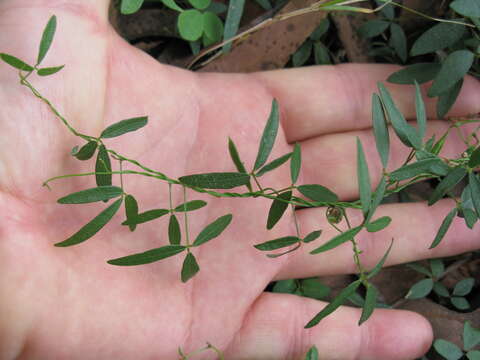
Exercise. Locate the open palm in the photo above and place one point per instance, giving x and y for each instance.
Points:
(69, 303)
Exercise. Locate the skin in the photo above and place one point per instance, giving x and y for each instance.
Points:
(68, 303)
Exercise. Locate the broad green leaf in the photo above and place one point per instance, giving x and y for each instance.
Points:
(103, 165)
(232, 21)
(377, 197)
(427, 166)
(295, 163)
(189, 268)
(453, 177)
(49, 70)
(474, 158)
(321, 54)
(460, 302)
(190, 24)
(223, 180)
(130, 6)
(373, 28)
(471, 336)
(131, 211)
(370, 302)
(191, 205)
(437, 267)
(213, 230)
(338, 240)
(212, 26)
(318, 193)
(470, 217)
(440, 289)
(273, 164)
(474, 184)
(454, 68)
(364, 184)
(421, 112)
(337, 302)
(146, 216)
(277, 209)
(268, 136)
(420, 289)
(320, 30)
(174, 234)
(285, 286)
(463, 287)
(421, 72)
(314, 289)
(100, 193)
(447, 99)
(447, 349)
(200, 4)
(47, 38)
(148, 256)
(379, 265)
(438, 37)
(380, 130)
(473, 355)
(232, 149)
(444, 227)
(312, 353)
(86, 151)
(277, 243)
(314, 235)
(379, 224)
(93, 226)
(124, 126)
(405, 132)
(398, 41)
(303, 53)
(172, 5)
(15, 62)
(467, 8)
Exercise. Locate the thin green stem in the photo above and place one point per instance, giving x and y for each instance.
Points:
(121, 174)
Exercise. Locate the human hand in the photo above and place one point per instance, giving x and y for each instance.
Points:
(68, 303)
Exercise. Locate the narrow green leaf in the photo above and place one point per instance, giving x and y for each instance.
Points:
(471, 336)
(190, 206)
(232, 149)
(377, 197)
(277, 209)
(437, 267)
(189, 268)
(454, 68)
(314, 289)
(336, 303)
(268, 136)
(447, 99)
(86, 151)
(420, 72)
(447, 349)
(379, 224)
(303, 53)
(232, 21)
(463, 287)
(103, 165)
(277, 243)
(128, 7)
(131, 211)
(295, 163)
(380, 264)
(273, 164)
(146, 216)
(318, 193)
(440, 289)
(312, 354)
(380, 130)
(420, 289)
(320, 30)
(460, 302)
(364, 185)
(470, 217)
(398, 41)
(314, 235)
(370, 302)
(321, 54)
(444, 227)
(453, 177)
(92, 227)
(474, 158)
(174, 234)
(124, 126)
(467, 8)
(421, 112)
(222, 180)
(420, 269)
(148, 256)
(47, 38)
(213, 230)
(49, 70)
(438, 37)
(273, 256)
(474, 184)
(190, 24)
(338, 240)
(100, 193)
(15, 62)
(434, 165)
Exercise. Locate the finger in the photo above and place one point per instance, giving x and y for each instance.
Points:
(329, 99)
(274, 329)
(412, 229)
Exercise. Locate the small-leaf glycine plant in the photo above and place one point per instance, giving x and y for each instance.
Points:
(450, 351)
(423, 162)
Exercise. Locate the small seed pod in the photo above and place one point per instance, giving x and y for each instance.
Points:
(334, 214)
